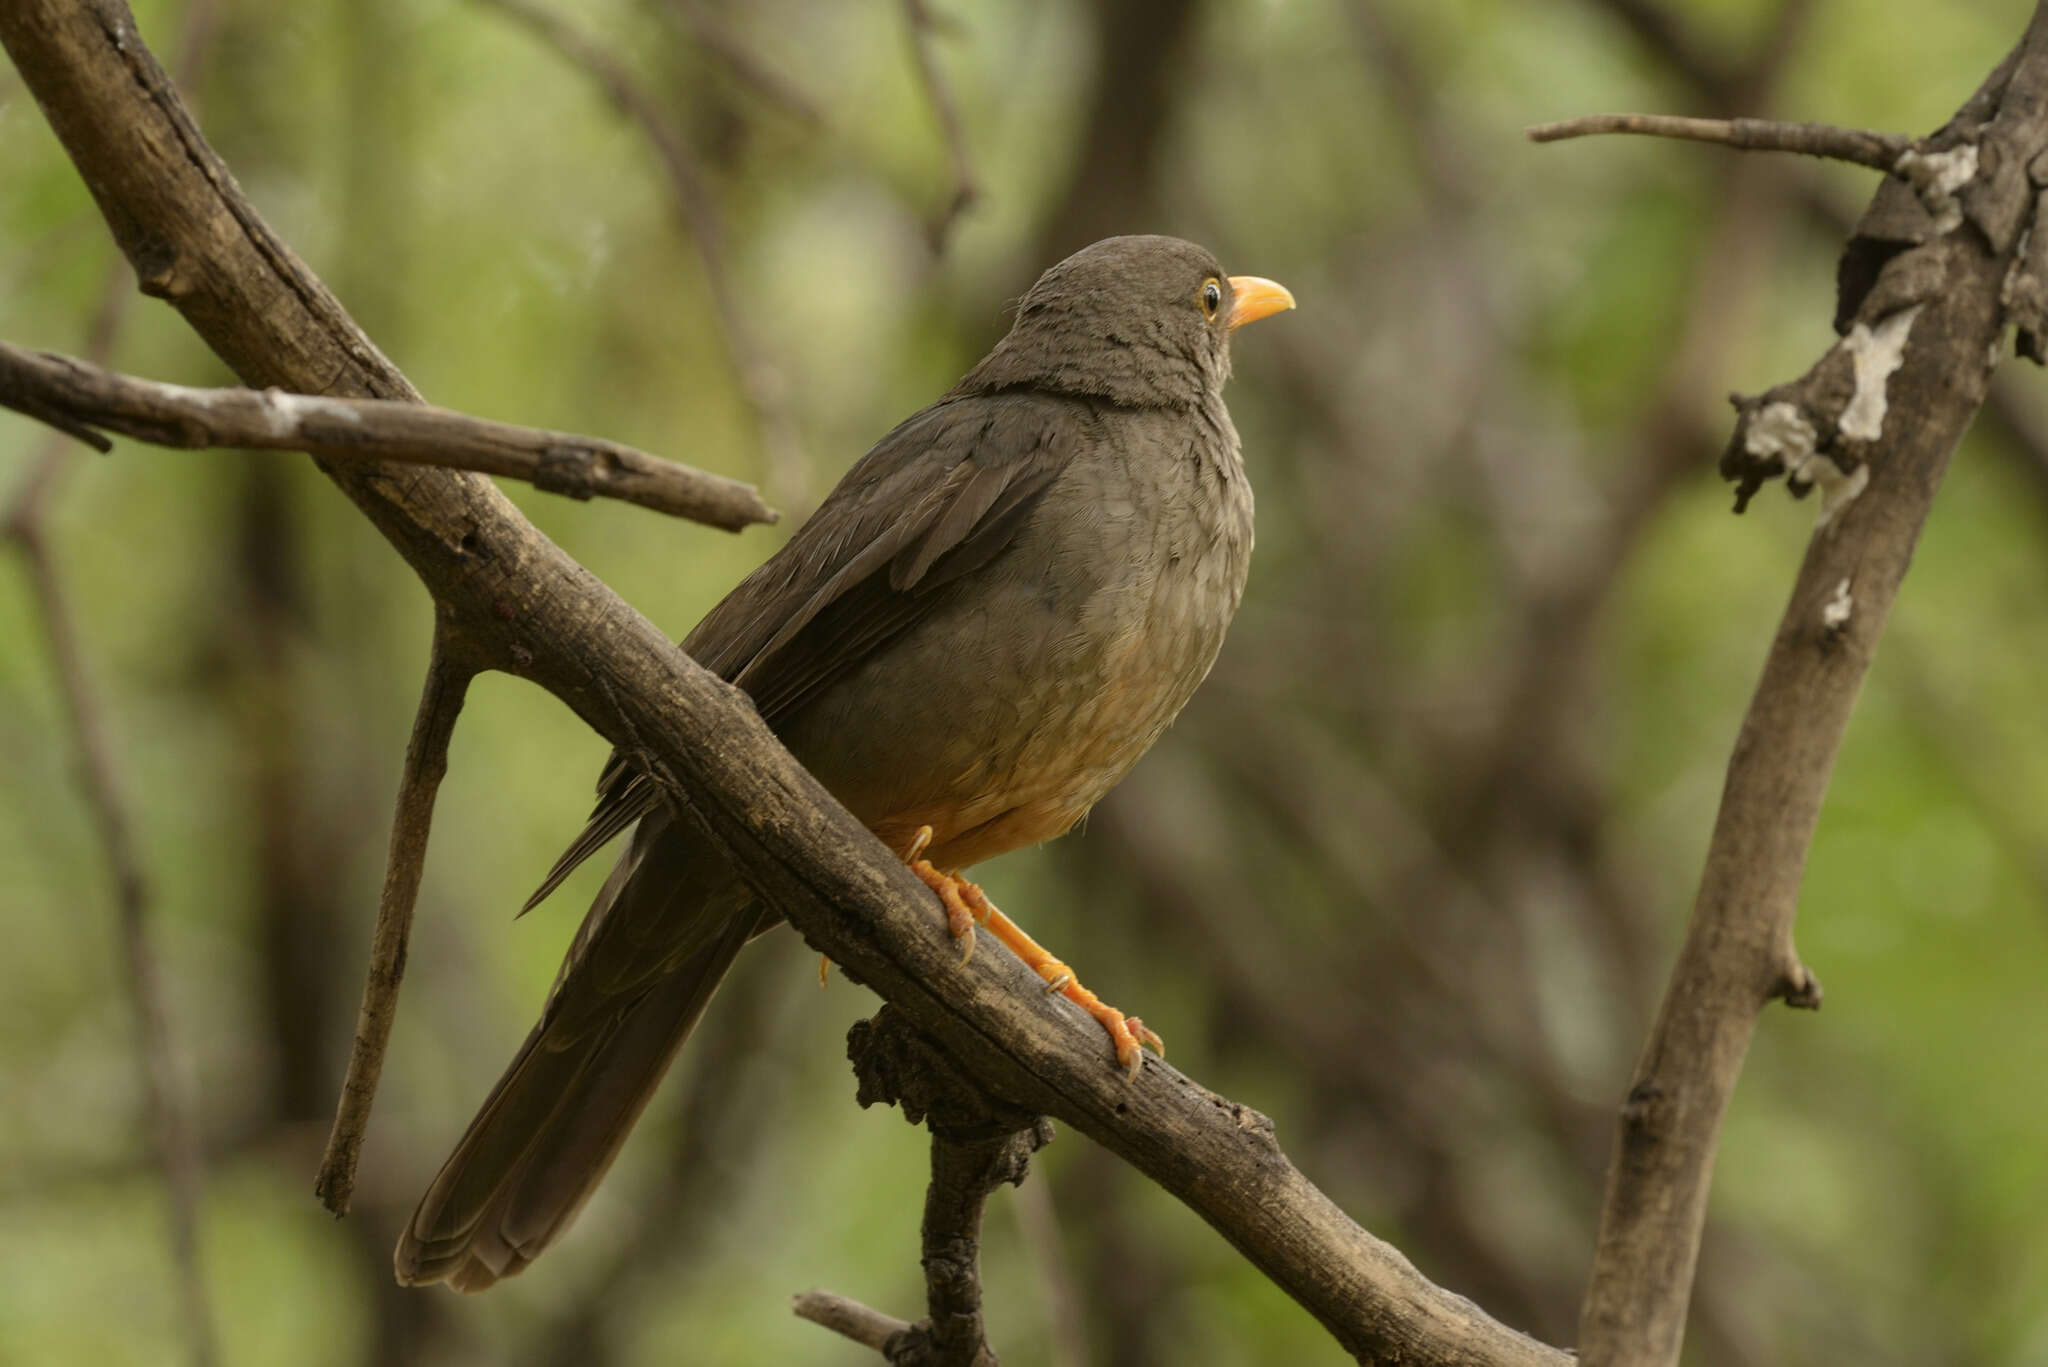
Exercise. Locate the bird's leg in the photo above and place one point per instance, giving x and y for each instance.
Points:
(967, 906)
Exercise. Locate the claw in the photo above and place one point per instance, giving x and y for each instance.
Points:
(967, 907)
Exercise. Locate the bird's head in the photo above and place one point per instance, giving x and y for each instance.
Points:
(1140, 321)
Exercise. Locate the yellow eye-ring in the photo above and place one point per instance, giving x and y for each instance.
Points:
(1212, 296)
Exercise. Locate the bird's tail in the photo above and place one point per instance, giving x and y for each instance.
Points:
(551, 1128)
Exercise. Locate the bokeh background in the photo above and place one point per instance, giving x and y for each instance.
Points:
(1408, 873)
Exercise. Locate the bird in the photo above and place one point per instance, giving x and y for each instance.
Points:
(978, 632)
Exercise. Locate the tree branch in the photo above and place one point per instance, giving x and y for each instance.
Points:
(449, 671)
(84, 400)
(527, 607)
(1878, 151)
(979, 1142)
(847, 1318)
(1882, 411)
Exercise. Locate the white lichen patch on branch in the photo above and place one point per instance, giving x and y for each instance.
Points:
(287, 413)
(1876, 353)
(1936, 176)
(1780, 430)
(283, 415)
(1835, 613)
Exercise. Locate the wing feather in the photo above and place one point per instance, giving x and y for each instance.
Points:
(939, 497)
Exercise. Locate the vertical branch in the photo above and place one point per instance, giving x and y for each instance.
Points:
(426, 762)
(979, 1143)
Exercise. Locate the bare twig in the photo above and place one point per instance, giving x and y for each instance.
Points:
(1879, 151)
(786, 470)
(528, 608)
(946, 109)
(449, 671)
(710, 32)
(847, 1318)
(1923, 332)
(83, 399)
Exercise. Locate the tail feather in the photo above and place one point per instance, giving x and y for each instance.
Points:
(552, 1126)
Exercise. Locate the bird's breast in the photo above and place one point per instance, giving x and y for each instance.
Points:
(1025, 699)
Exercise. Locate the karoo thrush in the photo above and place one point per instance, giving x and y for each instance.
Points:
(980, 630)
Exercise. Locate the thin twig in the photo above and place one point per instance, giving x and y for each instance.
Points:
(946, 109)
(426, 762)
(710, 32)
(79, 397)
(785, 468)
(847, 1318)
(1878, 151)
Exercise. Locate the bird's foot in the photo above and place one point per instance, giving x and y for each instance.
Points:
(1127, 1033)
(967, 907)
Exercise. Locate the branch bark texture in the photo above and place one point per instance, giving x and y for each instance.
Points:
(1875, 423)
(176, 212)
(85, 400)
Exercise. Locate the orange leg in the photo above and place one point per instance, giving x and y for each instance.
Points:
(967, 906)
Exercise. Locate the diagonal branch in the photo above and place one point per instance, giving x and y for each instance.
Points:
(528, 608)
(84, 400)
(1891, 401)
(847, 1318)
(449, 671)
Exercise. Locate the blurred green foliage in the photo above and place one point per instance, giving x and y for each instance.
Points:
(1444, 432)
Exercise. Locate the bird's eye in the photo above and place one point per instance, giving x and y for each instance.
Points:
(1212, 296)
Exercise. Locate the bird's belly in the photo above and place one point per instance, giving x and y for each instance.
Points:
(1014, 709)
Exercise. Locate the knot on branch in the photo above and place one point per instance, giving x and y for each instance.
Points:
(1797, 987)
(570, 471)
(896, 1065)
(979, 1142)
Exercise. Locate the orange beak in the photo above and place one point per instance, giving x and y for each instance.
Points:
(1256, 298)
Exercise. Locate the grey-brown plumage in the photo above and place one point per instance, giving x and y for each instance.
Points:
(981, 629)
